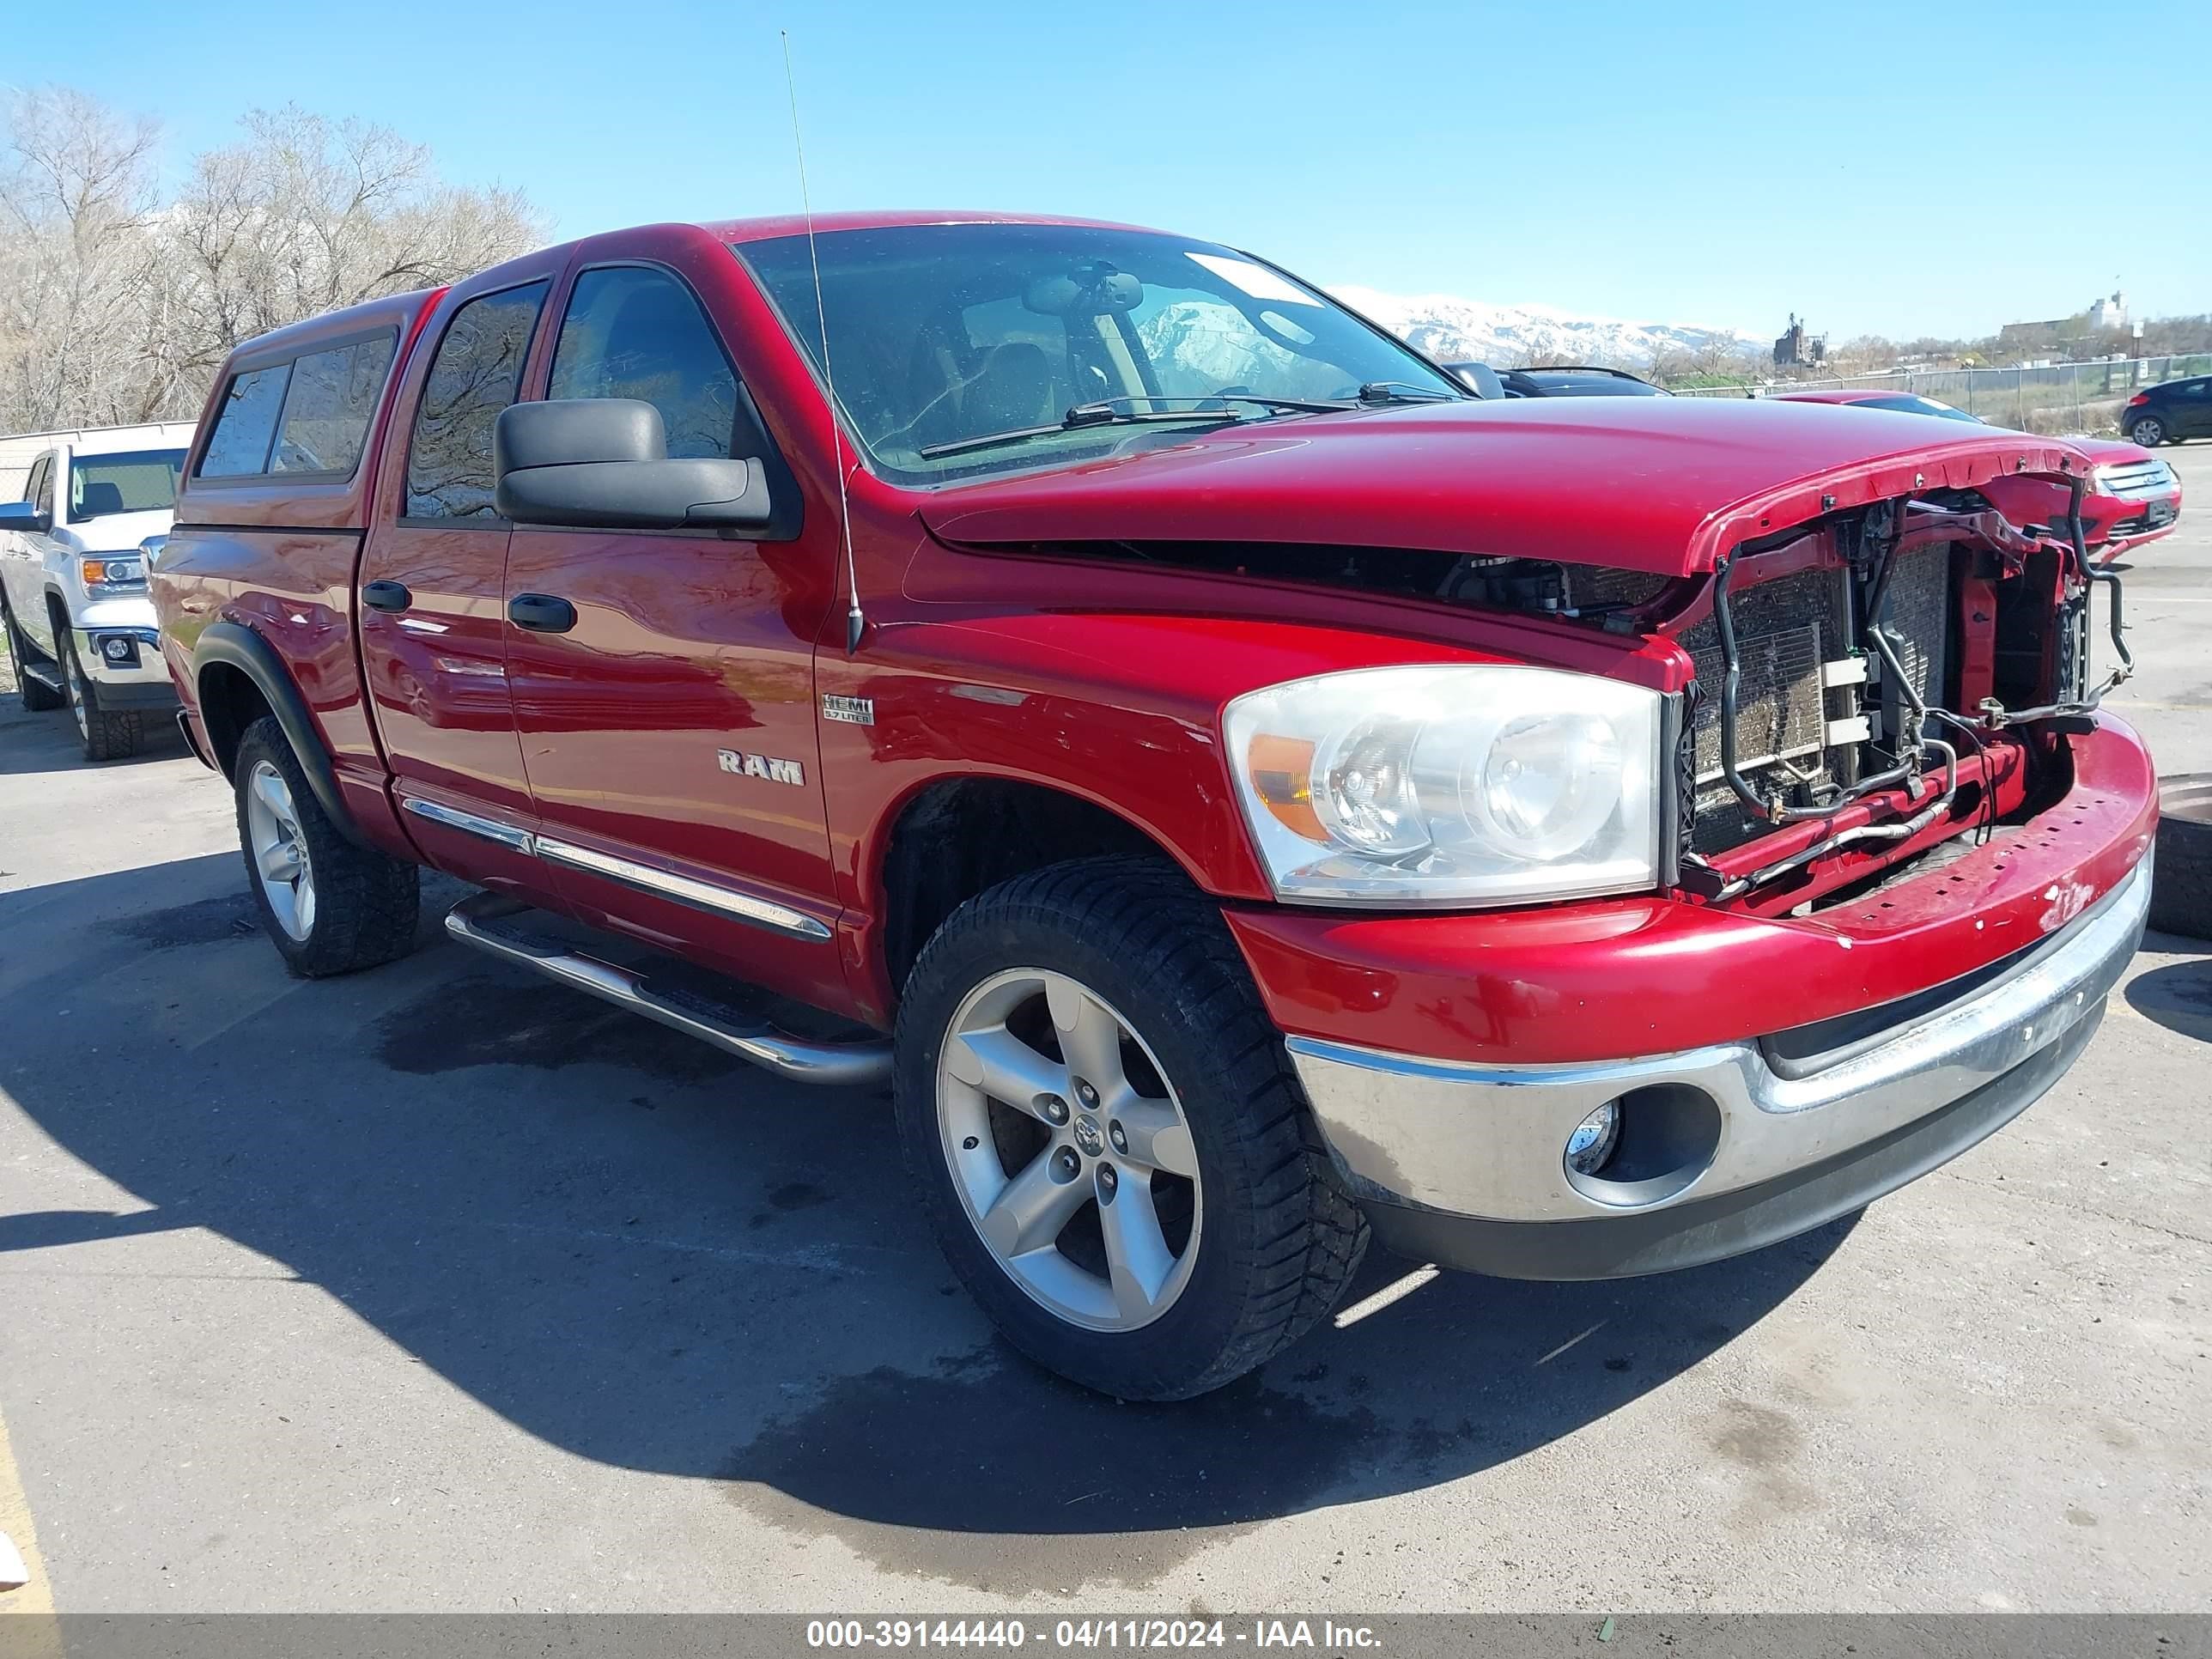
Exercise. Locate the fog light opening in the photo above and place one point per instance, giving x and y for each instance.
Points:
(1645, 1146)
(1592, 1144)
(116, 650)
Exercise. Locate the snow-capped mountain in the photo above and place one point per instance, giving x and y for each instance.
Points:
(1453, 330)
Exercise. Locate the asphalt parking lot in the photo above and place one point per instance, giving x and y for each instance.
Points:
(436, 1288)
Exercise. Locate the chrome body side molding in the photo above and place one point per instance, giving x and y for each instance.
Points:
(646, 878)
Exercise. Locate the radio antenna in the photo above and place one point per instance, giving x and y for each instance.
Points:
(855, 623)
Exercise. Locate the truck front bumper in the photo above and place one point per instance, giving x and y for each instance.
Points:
(1722, 1149)
(120, 649)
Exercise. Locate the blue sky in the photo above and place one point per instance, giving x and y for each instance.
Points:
(1940, 166)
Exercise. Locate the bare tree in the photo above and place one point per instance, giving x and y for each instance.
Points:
(76, 191)
(117, 306)
(308, 216)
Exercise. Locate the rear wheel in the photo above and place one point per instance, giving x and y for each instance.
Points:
(329, 906)
(34, 695)
(106, 734)
(2149, 430)
(1108, 1138)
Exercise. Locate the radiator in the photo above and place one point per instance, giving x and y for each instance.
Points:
(1785, 629)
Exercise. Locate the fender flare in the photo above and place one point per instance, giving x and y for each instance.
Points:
(236, 645)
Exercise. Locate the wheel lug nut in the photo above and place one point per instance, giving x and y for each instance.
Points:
(1085, 1093)
(1118, 1135)
(1068, 1164)
(1107, 1181)
(1055, 1109)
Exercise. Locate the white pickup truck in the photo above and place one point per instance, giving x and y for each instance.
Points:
(73, 556)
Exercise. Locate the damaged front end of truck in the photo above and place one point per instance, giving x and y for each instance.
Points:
(1876, 683)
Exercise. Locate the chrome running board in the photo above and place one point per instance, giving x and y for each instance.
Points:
(475, 921)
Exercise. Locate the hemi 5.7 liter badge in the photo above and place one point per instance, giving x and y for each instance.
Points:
(851, 711)
(760, 766)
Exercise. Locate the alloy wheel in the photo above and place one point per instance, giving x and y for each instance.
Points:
(279, 850)
(73, 684)
(1069, 1149)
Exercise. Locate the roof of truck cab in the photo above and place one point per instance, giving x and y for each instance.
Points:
(794, 224)
(393, 311)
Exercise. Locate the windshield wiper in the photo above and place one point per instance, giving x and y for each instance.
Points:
(1296, 405)
(1401, 392)
(1104, 412)
(1075, 420)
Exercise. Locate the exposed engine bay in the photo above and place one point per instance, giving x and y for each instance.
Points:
(1875, 680)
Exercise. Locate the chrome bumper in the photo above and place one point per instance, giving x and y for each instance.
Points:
(1487, 1143)
(143, 665)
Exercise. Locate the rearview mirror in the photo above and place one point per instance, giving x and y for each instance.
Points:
(601, 462)
(21, 515)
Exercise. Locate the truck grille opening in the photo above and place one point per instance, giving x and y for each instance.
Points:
(1795, 731)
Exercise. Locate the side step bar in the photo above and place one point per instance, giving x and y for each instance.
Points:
(475, 920)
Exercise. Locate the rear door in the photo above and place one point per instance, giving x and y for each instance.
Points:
(433, 632)
(663, 680)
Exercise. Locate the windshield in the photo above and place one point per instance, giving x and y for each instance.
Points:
(943, 334)
(129, 481)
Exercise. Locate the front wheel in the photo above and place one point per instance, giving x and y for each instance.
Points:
(330, 907)
(1108, 1136)
(107, 734)
(2149, 432)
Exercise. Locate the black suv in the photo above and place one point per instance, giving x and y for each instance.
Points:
(1567, 381)
(2170, 413)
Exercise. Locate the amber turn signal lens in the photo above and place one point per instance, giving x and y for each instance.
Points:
(1282, 776)
(96, 572)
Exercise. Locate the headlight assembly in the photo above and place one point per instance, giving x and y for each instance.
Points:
(1449, 785)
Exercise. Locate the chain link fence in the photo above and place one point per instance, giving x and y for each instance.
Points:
(2055, 398)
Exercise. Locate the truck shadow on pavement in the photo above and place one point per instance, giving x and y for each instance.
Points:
(655, 1257)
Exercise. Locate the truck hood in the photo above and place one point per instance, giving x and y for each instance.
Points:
(1664, 486)
(117, 533)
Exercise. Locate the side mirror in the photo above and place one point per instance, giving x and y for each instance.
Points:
(1481, 380)
(601, 462)
(21, 515)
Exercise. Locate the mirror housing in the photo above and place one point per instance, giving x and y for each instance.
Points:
(1480, 379)
(21, 515)
(602, 464)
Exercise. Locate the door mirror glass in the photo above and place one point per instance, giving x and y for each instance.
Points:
(601, 462)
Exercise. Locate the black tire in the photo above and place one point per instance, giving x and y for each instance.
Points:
(107, 734)
(2152, 425)
(367, 905)
(2181, 882)
(35, 695)
(1280, 1238)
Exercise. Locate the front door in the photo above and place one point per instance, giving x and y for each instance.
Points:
(23, 559)
(663, 680)
(2192, 407)
(433, 631)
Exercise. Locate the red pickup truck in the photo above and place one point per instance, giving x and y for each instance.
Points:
(1243, 791)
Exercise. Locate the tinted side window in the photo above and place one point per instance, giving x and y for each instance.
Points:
(473, 377)
(245, 424)
(327, 413)
(35, 488)
(632, 332)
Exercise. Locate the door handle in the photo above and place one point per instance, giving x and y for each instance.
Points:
(385, 596)
(541, 613)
